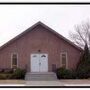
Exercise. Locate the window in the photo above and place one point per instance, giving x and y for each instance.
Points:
(64, 60)
(43, 56)
(14, 58)
(34, 56)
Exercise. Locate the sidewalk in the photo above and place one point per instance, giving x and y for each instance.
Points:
(74, 82)
(59, 83)
(44, 83)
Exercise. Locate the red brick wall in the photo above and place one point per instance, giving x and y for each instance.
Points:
(39, 39)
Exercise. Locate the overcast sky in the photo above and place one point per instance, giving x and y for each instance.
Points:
(15, 19)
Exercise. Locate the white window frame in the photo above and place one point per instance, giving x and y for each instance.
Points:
(61, 59)
(11, 59)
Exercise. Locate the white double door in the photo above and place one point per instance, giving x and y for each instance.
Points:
(39, 63)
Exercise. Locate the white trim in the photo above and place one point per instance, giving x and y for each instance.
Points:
(61, 59)
(11, 58)
(39, 54)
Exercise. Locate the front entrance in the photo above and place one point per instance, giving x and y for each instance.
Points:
(39, 63)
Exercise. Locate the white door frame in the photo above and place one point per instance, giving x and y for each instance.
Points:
(34, 60)
(46, 62)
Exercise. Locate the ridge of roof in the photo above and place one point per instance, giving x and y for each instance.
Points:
(70, 42)
(44, 25)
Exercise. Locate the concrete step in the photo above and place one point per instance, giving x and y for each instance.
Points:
(40, 76)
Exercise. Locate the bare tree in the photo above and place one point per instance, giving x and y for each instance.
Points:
(81, 36)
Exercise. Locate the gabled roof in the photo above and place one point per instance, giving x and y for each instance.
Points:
(42, 24)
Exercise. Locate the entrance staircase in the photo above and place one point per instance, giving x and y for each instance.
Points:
(34, 76)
